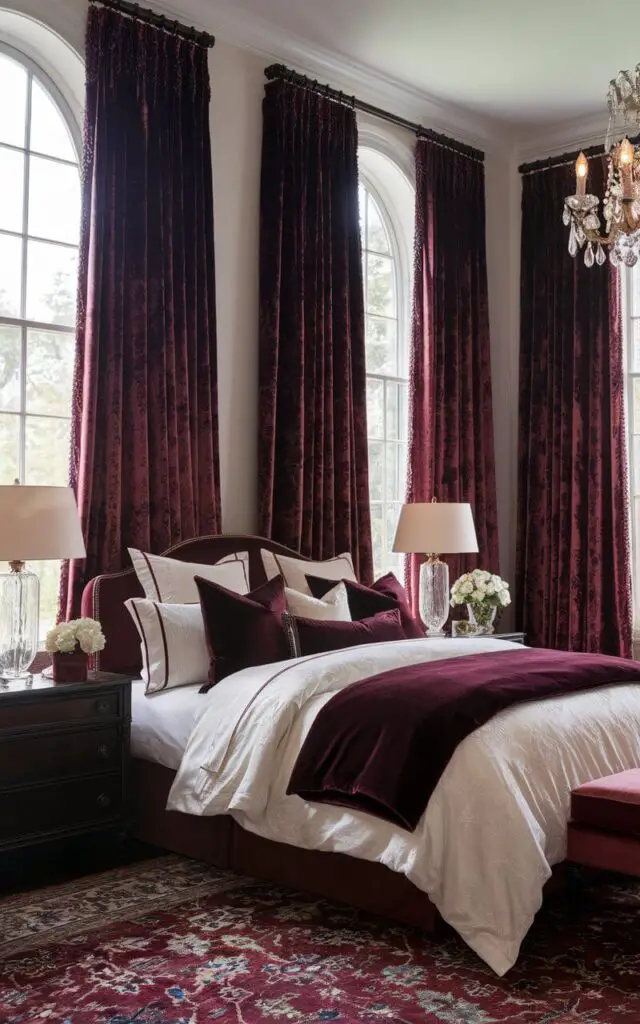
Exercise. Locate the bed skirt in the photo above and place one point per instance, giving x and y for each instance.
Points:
(218, 840)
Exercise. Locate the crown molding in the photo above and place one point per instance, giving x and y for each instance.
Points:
(271, 42)
(565, 136)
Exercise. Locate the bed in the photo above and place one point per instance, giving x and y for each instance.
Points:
(494, 827)
(218, 840)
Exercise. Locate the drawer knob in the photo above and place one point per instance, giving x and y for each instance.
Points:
(104, 800)
(103, 751)
(103, 707)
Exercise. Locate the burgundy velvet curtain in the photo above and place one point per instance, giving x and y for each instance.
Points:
(313, 472)
(573, 572)
(451, 454)
(144, 458)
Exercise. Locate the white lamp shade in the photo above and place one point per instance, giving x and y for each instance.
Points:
(39, 523)
(436, 528)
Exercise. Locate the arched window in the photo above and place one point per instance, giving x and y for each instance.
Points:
(39, 234)
(386, 293)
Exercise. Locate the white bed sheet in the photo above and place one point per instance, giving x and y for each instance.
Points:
(161, 724)
(496, 821)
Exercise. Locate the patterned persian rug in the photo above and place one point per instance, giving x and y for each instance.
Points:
(171, 941)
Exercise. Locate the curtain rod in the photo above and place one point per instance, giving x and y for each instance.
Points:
(159, 21)
(278, 72)
(560, 160)
(567, 158)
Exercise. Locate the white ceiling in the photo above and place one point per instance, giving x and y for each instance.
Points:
(519, 61)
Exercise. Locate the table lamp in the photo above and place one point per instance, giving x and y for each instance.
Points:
(35, 523)
(426, 528)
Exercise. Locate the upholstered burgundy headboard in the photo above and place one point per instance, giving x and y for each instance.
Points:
(104, 596)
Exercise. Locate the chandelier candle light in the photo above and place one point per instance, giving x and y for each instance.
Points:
(621, 202)
(444, 527)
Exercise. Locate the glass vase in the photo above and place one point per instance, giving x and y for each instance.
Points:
(19, 609)
(482, 617)
(434, 595)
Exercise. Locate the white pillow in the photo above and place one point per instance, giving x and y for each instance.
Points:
(333, 606)
(295, 570)
(172, 643)
(172, 582)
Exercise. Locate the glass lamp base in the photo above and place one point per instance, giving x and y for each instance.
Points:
(434, 596)
(19, 607)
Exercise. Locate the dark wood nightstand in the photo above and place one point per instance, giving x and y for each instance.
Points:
(64, 759)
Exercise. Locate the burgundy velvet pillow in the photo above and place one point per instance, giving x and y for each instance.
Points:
(315, 636)
(243, 629)
(386, 594)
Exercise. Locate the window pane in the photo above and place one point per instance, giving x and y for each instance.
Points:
(393, 410)
(10, 344)
(13, 112)
(635, 346)
(376, 470)
(636, 463)
(375, 408)
(635, 515)
(51, 283)
(636, 407)
(362, 201)
(50, 357)
(49, 132)
(382, 346)
(392, 481)
(10, 275)
(377, 533)
(403, 417)
(393, 514)
(9, 442)
(54, 201)
(377, 238)
(46, 451)
(11, 192)
(381, 296)
(635, 293)
(49, 575)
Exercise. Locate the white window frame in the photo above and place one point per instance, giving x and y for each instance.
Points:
(403, 298)
(22, 322)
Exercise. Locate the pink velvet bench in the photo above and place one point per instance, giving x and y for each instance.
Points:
(604, 831)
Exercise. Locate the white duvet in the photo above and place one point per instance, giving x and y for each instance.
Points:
(496, 821)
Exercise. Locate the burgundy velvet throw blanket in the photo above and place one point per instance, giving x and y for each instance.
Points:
(382, 744)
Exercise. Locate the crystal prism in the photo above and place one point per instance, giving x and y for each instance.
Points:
(588, 255)
(600, 256)
(573, 244)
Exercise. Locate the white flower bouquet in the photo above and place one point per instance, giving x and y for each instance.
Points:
(83, 633)
(484, 593)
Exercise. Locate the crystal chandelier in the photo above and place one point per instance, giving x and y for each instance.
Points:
(621, 203)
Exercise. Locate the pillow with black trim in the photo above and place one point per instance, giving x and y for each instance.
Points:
(171, 581)
(173, 644)
(294, 570)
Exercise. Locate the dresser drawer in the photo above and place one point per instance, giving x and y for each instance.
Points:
(27, 813)
(50, 710)
(44, 758)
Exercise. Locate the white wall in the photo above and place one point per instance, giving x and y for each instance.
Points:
(237, 83)
(503, 195)
(236, 128)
